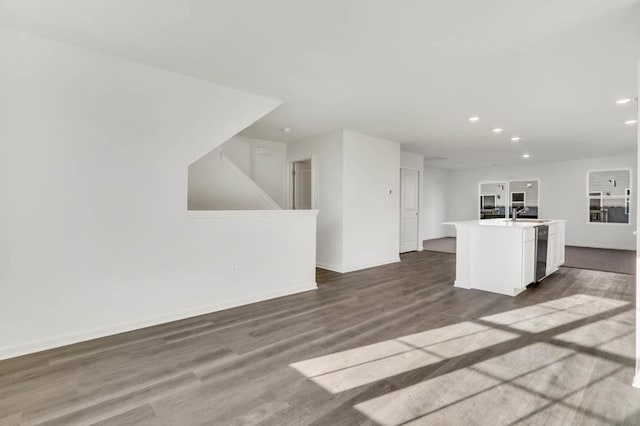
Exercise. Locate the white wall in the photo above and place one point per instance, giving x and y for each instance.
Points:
(263, 161)
(409, 160)
(563, 195)
(217, 183)
(636, 179)
(434, 204)
(94, 234)
(358, 220)
(326, 152)
(371, 201)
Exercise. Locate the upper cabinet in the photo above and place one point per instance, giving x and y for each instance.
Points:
(609, 195)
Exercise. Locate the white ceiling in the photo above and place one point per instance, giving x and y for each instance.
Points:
(411, 71)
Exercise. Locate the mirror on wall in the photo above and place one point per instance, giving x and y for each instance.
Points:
(523, 196)
(493, 200)
(609, 194)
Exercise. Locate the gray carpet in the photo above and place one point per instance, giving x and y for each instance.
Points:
(596, 259)
(444, 245)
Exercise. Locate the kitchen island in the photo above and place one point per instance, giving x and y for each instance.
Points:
(505, 256)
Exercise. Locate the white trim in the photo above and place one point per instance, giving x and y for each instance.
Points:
(602, 198)
(208, 214)
(420, 189)
(524, 197)
(372, 265)
(249, 181)
(507, 190)
(68, 339)
(342, 270)
(539, 206)
(329, 267)
(458, 284)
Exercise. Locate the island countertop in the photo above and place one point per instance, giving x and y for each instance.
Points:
(508, 223)
(505, 257)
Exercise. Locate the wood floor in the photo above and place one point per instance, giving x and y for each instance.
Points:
(389, 345)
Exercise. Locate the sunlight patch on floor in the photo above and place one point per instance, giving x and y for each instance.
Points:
(552, 314)
(453, 398)
(351, 358)
(557, 356)
(341, 371)
(541, 381)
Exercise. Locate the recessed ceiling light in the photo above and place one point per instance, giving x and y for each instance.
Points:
(526, 155)
(623, 101)
(515, 139)
(285, 130)
(474, 118)
(497, 130)
(630, 122)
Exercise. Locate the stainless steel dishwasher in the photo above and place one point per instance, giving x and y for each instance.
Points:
(542, 239)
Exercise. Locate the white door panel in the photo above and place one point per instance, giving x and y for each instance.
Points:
(302, 185)
(409, 209)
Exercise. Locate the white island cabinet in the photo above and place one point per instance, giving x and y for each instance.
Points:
(503, 256)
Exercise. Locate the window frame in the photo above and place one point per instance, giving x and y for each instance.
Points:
(524, 199)
(626, 198)
(495, 198)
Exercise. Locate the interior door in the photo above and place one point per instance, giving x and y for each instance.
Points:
(302, 185)
(409, 209)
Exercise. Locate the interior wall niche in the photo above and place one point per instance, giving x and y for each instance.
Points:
(524, 196)
(609, 194)
(493, 200)
(498, 199)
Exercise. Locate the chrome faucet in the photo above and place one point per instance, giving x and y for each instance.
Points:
(515, 212)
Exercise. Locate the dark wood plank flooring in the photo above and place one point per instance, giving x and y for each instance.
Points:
(390, 345)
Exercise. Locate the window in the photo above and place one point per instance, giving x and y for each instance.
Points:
(609, 195)
(524, 197)
(498, 199)
(518, 200)
(488, 202)
(493, 197)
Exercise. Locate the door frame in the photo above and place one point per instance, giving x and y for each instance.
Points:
(290, 182)
(419, 246)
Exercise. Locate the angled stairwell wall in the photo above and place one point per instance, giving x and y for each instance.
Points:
(217, 183)
(241, 174)
(95, 236)
(264, 161)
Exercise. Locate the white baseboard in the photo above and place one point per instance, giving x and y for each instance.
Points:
(459, 284)
(329, 267)
(82, 336)
(372, 265)
(636, 380)
(358, 267)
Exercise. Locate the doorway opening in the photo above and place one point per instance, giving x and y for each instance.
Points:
(301, 184)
